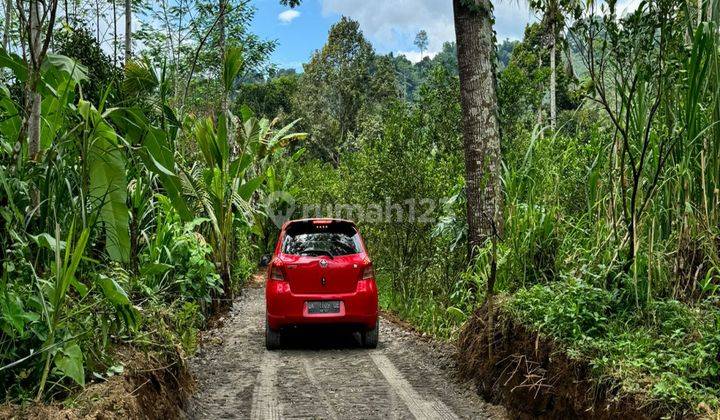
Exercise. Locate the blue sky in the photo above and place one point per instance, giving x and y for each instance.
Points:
(390, 25)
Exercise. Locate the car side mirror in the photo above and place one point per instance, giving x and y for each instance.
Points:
(264, 260)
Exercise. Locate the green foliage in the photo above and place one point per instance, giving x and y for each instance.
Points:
(188, 320)
(188, 40)
(80, 45)
(54, 306)
(270, 98)
(409, 253)
(227, 181)
(411, 76)
(338, 84)
(504, 51)
(176, 264)
(111, 188)
(522, 83)
(136, 221)
(107, 183)
(665, 354)
(573, 310)
(649, 328)
(421, 41)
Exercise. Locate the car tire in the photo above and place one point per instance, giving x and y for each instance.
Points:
(272, 338)
(370, 337)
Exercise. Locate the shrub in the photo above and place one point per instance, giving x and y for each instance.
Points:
(177, 261)
(570, 311)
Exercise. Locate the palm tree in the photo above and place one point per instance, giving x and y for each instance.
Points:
(480, 125)
(481, 133)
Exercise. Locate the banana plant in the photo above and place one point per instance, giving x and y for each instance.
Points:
(102, 163)
(224, 182)
(277, 198)
(104, 179)
(234, 151)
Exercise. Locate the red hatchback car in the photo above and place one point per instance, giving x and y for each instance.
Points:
(320, 273)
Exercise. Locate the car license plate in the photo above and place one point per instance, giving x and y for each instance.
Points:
(323, 307)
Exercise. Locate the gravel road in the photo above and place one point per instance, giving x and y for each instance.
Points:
(325, 374)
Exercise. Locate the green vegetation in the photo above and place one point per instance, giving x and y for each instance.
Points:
(137, 192)
(609, 232)
(129, 225)
(665, 354)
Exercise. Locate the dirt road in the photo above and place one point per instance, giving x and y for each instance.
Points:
(322, 374)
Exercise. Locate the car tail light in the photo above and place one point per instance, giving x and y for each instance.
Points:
(276, 273)
(368, 272)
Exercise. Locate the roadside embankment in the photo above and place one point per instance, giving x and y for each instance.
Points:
(532, 376)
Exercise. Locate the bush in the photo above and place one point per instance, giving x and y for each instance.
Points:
(176, 263)
(569, 311)
(187, 320)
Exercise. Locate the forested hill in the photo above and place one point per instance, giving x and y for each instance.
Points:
(271, 93)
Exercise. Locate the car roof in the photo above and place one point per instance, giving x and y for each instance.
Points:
(313, 219)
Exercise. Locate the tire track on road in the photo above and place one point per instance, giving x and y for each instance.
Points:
(418, 406)
(307, 364)
(323, 374)
(265, 401)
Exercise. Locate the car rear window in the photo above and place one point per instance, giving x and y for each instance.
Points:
(311, 239)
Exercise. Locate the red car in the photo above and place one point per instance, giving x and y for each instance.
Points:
(320, 273)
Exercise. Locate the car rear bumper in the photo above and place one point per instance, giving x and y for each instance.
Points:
(285, 309)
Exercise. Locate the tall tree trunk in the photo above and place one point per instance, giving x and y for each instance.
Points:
(480, 126)
(8, 23)
(699, 11)
(709, 13)
(222, 8)
(553, 77)
(128, 30)
(569, 68)
(539, 107)
(115, 33)
(171, 42)
(33, 95)
(97, 21)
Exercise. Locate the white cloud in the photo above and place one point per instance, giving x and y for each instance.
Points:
(392, 25)
(627, 6)
(288, 16)
(415, 56)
